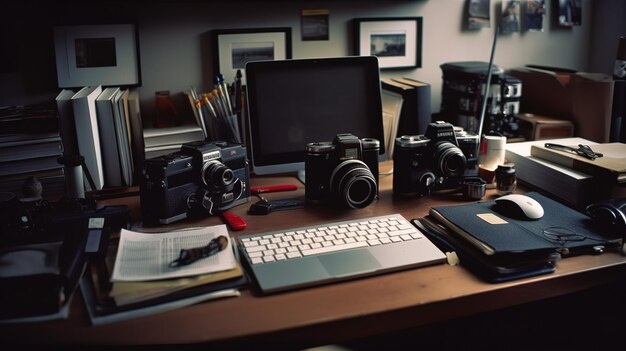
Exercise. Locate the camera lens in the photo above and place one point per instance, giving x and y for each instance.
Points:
(353, 184)
(449, 160)
(216, 174)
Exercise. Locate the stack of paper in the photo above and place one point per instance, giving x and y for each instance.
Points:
(142, 281)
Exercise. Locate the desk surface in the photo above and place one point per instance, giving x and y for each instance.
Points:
(330, 313)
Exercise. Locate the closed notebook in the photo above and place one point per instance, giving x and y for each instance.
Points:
(496, 234)
(490, 268)
(611, 166)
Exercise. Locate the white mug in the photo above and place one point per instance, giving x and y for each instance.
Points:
(491, 153)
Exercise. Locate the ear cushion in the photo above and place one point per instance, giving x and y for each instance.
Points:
(609, 212)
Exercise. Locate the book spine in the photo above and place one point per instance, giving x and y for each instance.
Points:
(423, 108)
(110, 152)
(85, 118)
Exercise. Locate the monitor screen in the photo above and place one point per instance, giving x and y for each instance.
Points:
(294, 102)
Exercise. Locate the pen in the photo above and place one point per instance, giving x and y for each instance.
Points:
(188, 256)
(255, 190)
(238, 90)
(223, 90)
(203, 123)
(583, 150)
(219, 102)
(208, 105)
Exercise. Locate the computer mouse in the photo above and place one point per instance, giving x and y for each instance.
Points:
(519, 206)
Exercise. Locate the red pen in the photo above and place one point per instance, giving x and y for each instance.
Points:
(255, 190)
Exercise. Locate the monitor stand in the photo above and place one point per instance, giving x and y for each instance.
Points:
(301, 176)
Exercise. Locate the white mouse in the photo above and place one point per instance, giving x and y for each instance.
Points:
(519, 206)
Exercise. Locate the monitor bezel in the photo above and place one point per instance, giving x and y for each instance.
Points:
(283, 163)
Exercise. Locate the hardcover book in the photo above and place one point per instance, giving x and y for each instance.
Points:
(415, 113)
(611, 166)
(86, 121)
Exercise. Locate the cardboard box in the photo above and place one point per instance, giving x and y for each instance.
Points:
(538, 127)
(583, 98)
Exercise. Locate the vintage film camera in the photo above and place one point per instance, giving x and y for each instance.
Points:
(439, 160)
(202, 178)
(343, 172)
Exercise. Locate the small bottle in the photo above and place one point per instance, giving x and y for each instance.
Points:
(505, 179)
(166, 114)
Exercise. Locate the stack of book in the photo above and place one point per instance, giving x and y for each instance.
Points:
(557, 174)
(104, 126)
(30, 145)
(137, 277)
(415, 109)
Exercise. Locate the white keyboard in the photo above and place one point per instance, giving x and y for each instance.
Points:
(325, 238)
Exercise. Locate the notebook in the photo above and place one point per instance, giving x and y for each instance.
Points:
(481, 225)
(331, 252)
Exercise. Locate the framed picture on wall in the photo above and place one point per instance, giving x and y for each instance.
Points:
(234, 47)
(97, 55)
(397, 42)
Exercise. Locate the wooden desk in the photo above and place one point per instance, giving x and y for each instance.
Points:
(331, 313)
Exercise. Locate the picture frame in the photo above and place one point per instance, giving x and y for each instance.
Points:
(396, 41)
(232, 48)
(88, 55)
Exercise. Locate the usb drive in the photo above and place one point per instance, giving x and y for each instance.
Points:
(235, 222)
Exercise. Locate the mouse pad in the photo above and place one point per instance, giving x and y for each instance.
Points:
(514, 235)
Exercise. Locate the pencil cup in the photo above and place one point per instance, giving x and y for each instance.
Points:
(232, 128)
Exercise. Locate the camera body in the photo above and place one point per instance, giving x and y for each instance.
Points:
(438, 160)
(343, 172)
(202, 178)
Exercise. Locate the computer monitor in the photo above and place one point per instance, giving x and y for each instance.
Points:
(294, 102)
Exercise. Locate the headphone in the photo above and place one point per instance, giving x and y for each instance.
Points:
(609, 213)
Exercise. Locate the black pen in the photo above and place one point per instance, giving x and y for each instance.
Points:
(237, 91)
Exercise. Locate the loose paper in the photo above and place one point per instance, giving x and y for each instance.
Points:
(147, 256)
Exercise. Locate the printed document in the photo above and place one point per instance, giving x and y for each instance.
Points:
(147, 256)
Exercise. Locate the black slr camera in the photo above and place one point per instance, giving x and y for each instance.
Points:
(202, 178)
(343, 172)
(439, 160)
